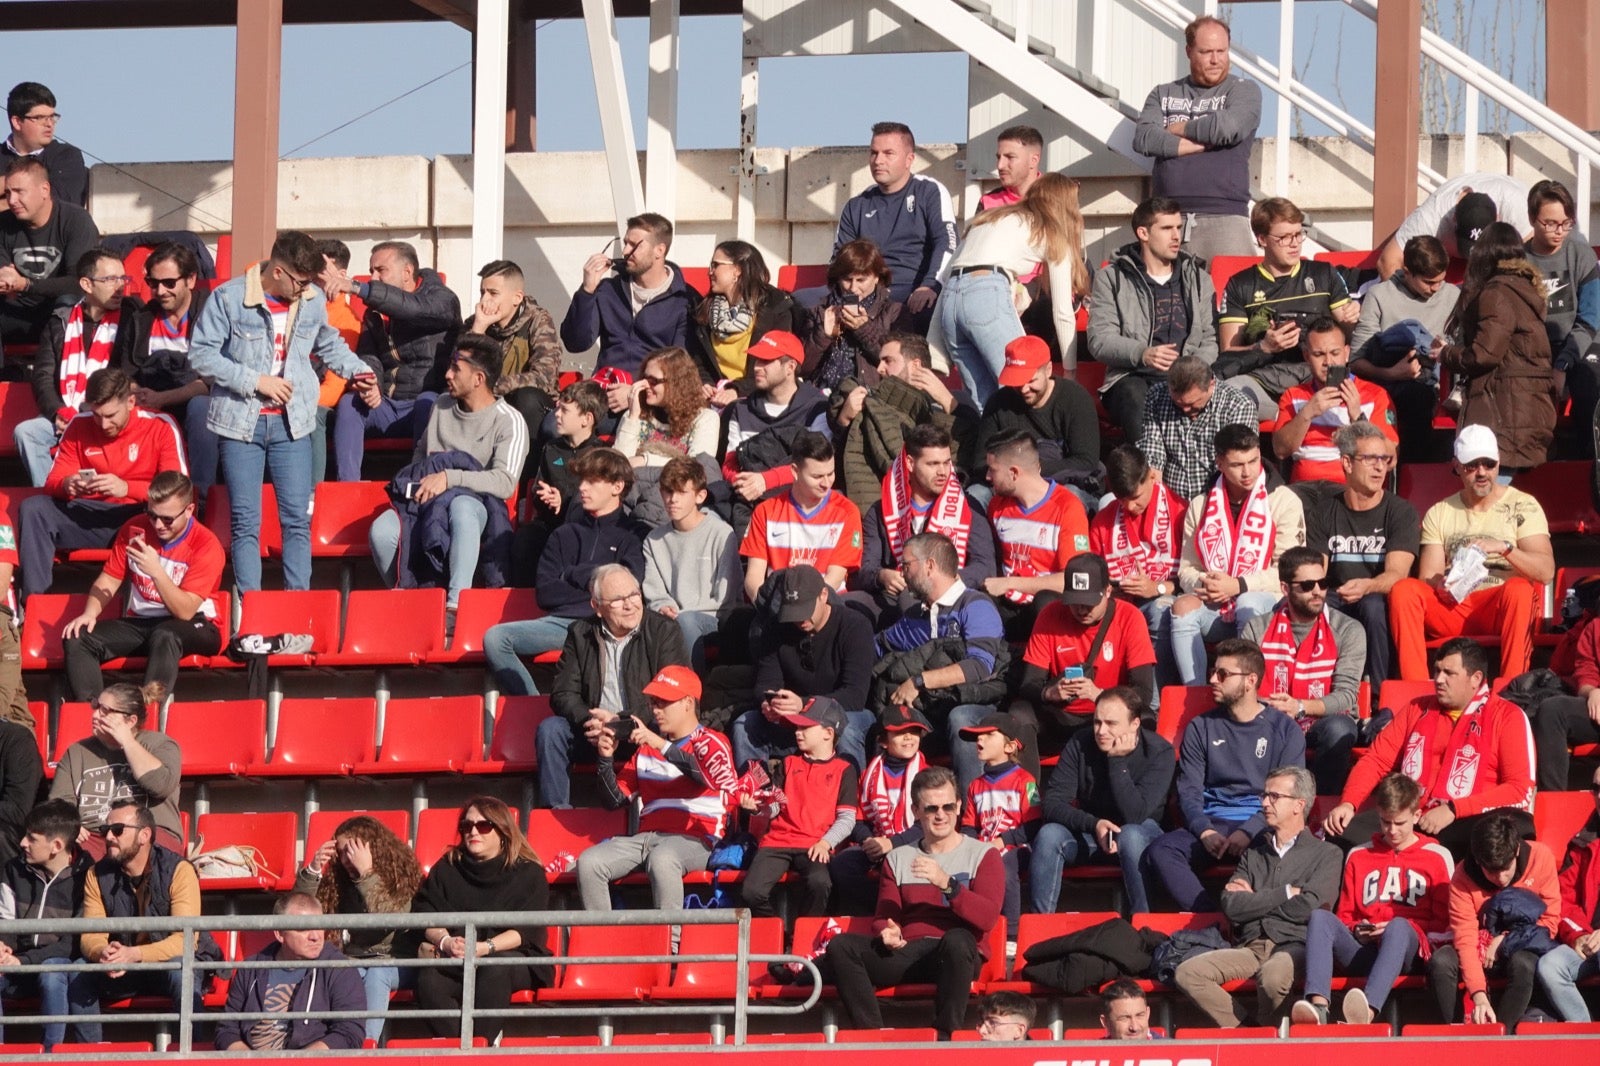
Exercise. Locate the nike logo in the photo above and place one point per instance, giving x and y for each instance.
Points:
(1218, 743)
(869, 214)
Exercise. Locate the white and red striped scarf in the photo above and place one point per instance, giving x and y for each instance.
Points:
(1304, 672)
(77, 363)
(1236, 548)
(950, 514)
(887, 816)
(1157, 560)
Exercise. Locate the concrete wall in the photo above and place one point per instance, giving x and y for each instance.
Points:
(558, 212)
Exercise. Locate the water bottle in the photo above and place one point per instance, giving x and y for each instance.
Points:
(1280, 679)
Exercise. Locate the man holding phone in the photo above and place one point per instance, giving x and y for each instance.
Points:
(1311, 413)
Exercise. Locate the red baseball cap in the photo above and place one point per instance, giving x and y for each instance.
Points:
(1024, 357)
(775, 344)
(608, 376)
(673, 683)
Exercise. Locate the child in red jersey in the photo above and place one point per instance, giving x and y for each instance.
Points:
(819, 810)
(1002, 806)
(886, 819)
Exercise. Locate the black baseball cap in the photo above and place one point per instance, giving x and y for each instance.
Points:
(997, 722)
(821, 710)
(899, 718)
(1475, 212)
(798, 589)
(1085, 580)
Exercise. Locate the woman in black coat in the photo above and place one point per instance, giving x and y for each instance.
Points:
(741, 308)
(493, 868)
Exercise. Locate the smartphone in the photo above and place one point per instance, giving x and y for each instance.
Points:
(86, 475)
(1072, 673)
(623, 725)
(1337, 375)
(850, 299)
(411, 489)
(770, 694)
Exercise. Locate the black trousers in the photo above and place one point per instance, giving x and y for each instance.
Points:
(50, 524)
(1559, 723)
(1444, 974)
(162, 641)
(440, 989)
(768, 868)
(1455, 837)
(1018, 618)
(859, 965)
(1124, 404)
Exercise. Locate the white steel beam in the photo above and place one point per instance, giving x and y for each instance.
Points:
(745, 209)
(491, 40)
(616, 118)
(661, 130)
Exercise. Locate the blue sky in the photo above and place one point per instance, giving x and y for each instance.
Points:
(131, 118)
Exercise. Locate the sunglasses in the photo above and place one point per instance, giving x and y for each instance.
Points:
(161, 283)
(483, 826)
(941, 808)
(165, 519)
(653, 380)
(1309, 584)
(114, 829)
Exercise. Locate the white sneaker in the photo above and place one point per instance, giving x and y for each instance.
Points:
(1011, 949)
(1305, 1012)
(1357, 1011)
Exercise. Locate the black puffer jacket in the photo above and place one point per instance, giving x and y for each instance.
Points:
(658, 642)
(407, 337)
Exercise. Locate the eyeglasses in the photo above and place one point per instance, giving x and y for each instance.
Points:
(114, 829)
(722, 263)
(1283, 240)
(1374, 459)
(623, 601)
(1000, 1023)
(1310, 583)
(1223, 675)
(116, 279)
(44, 120)
(1481, 464)
(166, 519)
(1274, 797)
(161, 283)
(298, 283)
(482, 826)
(103, 709)
(1564, 226)
(941, 808)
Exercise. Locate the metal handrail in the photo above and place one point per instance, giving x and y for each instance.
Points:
(469, 921)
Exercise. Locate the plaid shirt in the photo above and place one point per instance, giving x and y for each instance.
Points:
(1184, 448)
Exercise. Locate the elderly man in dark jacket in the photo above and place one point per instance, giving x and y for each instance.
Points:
(1104, 800)
(407, 336)
(607, 661)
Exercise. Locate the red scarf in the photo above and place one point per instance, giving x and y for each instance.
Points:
(888, 818)
(1239, 547)
(1304, 672)
(1454, 778)
(76, 362)
(950, 514)
(1157, 560)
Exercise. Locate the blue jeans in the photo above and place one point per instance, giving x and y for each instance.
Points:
(244, 466)
(380, 982)
(1057, 847)
(1559, 973)
(504, 646)
(354, 422)
(200, 445)
(1329, 942)
(555, 739)
(52, 988)
(468, 518)
(86, 990)
(36, 440)
(1192, 631)
(696, 626)
(979, 319)
(754, 738)
(964, 753)
(1157, 613)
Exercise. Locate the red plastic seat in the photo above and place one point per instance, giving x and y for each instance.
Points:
(1367, 260)
(697, 278)
(785, 1038)
(1558, 1029)
(391, 627)
(1459, 1029)
(313, 611)
(21, 1049)
(511, 747)
(1394, 695)
(219, 519)
(1244, 1032)
(588, 1040)
(270, 833)
(321, 738)
(477, 610)
(221, 738)
(657, 1040)
(715, 980)
(1560, 488)
(342, 515)
(1375, 1031)
(794, 277)
(611, 981)
(46, 613)
(428, 735)
(1224, 267)
(320, 826)
(1424, 484)
(885, 1036)
(105, 1047)
(1181, 704)
(73, 723)
(436, 834)
(1035, 928)
(434, 1042)
(1558, 817)
(17, 406)
(571, 831)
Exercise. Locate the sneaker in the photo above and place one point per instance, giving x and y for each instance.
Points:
(1306, 1012)
(1357, 1011)
(1011, 949)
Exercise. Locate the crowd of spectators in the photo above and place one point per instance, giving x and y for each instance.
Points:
(791, 568)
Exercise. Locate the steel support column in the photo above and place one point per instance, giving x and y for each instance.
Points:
(661, 130)
(490, 44)
(1399, 120)
(522, 95)
(258, 62)
(745, 209)
(616, 118)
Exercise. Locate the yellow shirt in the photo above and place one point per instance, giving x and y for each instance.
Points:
(1513, 516)
(732, 353)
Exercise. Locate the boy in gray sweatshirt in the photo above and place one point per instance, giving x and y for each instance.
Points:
(692, 568)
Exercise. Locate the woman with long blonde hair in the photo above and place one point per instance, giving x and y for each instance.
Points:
(978, 302)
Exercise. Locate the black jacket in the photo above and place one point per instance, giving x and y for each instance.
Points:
(1087, 785)
(410, 350)
(778, 311)
(121, 900)
(28, 892)
(69, 176)
(656, 643)
(1084, 960)
(159, 371)
(577, 546)
(20, 772)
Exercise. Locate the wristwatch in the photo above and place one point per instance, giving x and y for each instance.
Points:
(950, 889)
(1299, 709)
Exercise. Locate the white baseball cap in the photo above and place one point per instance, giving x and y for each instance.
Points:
(1476, 442)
